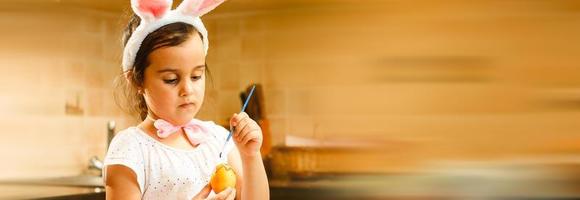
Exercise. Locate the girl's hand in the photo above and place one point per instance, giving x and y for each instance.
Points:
(227, 194)
(247, 134)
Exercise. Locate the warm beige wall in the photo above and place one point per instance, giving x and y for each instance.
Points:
(440, 81)
(431, 82)
(57, 66)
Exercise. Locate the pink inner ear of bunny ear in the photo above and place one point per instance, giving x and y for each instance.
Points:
(157, 8)
(189, 6)
(208, 5)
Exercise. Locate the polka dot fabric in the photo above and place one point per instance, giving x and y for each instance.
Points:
(164, 172)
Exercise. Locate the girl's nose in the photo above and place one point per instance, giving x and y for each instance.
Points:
(186, 88)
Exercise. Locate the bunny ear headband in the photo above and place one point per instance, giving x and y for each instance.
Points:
(157, 13)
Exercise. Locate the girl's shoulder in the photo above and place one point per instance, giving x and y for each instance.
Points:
(131, 137)
(129, 134)
(125, 149)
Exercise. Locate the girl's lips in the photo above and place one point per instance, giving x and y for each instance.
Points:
(186, 105)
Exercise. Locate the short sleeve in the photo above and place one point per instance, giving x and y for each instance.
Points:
(125, 150)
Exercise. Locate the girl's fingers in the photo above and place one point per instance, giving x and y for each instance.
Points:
(253, 131)
(203, 193)
(249, 137)
(232, 195)
(243, 133)
(224, 194)
(243, 114)
(237, 117)
(241, 124)
(233, 120)
(246, 129)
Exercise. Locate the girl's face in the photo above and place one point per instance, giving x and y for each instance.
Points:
(174, 81)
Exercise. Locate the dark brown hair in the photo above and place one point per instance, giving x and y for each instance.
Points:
(130, 82)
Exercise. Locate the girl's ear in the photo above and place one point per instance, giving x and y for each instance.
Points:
(149, 10)
(198, 7)
(128, 76)
(131, 82)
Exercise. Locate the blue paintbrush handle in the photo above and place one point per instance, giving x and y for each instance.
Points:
(243, 109)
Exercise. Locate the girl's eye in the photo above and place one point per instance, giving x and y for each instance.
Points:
(170, 81)
(195, 78)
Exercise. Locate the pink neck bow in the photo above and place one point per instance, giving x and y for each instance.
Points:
(195, 130)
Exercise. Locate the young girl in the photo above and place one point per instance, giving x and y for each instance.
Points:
(170, 154)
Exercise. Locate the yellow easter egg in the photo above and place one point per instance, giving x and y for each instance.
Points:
(222, 178)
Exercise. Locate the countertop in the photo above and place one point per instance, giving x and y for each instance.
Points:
(34, 191)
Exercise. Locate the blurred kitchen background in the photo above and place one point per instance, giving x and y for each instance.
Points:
(373, 99)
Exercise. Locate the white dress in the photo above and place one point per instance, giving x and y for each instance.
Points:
(164, 172)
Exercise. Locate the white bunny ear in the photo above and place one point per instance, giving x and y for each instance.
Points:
(149, 10)
(198, 7)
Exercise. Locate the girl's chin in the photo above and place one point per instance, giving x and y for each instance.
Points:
(178, 117)
(185, 116)
(181, 120)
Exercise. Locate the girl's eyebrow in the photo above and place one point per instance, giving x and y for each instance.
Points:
(167, 70)
(176, 70)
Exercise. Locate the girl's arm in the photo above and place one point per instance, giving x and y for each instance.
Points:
(248, 139)
(255, 179)
(121, 183)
